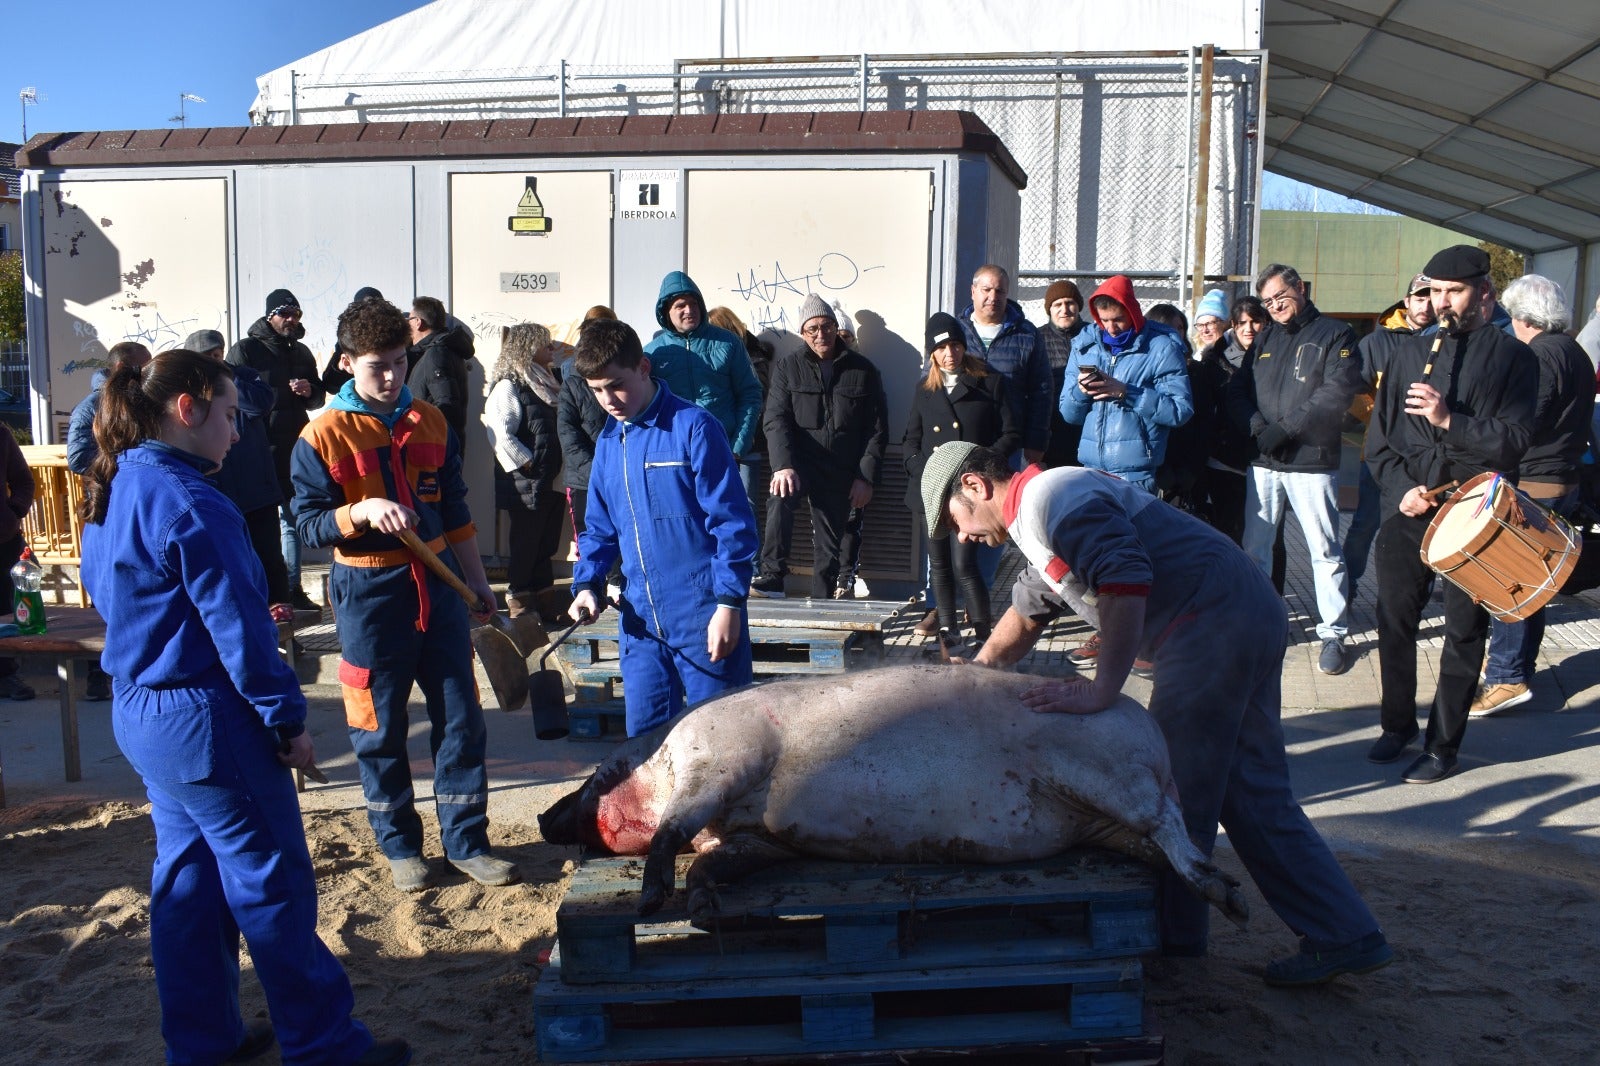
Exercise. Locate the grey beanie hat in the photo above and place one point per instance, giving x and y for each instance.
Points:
(937, 475)
(815, 307)
(204, 340)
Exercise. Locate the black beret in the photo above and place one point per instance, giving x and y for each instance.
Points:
(1459, 262)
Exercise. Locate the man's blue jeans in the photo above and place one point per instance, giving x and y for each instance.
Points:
(291, 544)
(1314, 496)
(1514, 646)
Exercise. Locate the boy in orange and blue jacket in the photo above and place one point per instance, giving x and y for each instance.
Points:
(376, 463)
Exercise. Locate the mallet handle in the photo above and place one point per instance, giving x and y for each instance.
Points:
(431, 560)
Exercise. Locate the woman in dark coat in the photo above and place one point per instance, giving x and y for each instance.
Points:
(1229, 449)
(958, 400)
(520, 416)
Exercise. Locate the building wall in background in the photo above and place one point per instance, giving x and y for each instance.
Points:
(1354, 265)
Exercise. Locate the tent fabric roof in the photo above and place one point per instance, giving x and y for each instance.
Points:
(1480, 116)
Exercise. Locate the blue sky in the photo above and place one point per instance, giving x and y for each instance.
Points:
(103, 65)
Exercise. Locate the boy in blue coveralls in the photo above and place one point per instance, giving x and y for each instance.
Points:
(665, 494)
(210, 717)
(376, 463)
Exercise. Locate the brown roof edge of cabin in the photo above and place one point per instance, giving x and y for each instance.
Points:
(610, 135)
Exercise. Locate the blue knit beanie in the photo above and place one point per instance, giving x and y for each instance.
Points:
(1213, 305)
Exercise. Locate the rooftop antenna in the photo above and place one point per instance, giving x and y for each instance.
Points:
(182, 118)
(27, 96)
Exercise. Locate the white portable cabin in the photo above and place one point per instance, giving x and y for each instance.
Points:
(149, 235)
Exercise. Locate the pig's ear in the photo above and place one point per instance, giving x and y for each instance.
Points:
(559, 824)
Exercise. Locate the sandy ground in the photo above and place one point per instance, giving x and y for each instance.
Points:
(1486, 885)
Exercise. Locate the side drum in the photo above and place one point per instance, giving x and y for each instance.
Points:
(1500, 547)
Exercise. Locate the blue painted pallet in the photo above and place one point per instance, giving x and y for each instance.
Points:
(962, 1007)
(816, 918)
(596, 721)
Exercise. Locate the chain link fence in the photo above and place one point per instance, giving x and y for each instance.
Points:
(1109, 142)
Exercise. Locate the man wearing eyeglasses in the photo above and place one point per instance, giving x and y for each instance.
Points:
(827, 421)
(440, 358)
(273, 349)
(1291, 397)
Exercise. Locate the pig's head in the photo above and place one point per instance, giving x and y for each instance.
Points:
(617, 809)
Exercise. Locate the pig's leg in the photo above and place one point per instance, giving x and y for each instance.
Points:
(1143, 821)
(1189, 863)
(734, 859)
(700, 792)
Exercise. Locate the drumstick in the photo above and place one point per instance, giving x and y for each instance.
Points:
(1446, 487)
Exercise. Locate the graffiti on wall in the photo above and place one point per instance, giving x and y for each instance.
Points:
(772, 294)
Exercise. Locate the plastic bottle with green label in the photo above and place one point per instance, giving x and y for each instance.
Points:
(26, 577)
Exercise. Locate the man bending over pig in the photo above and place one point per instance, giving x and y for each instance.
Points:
(1161, 585)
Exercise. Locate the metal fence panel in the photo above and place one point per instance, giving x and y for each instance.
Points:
(1107, 141)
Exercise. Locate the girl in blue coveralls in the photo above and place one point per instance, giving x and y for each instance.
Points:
(665, 496)
(211, 718)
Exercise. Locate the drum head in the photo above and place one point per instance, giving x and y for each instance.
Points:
(1461, 526)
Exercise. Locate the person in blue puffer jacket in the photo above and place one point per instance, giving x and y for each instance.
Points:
(705, 365)
(998, 332)
(1126, 385)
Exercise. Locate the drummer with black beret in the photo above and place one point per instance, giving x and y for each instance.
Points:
(1452, 405)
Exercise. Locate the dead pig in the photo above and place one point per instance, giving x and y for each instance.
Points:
(904, 764)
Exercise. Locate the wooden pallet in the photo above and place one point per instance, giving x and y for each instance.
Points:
(815, 919)
(596, 721)
(774, 650)
(963, 1007)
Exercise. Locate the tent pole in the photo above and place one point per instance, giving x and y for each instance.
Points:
(1202, 187)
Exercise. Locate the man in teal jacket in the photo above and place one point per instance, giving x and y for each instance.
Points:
(705, 365)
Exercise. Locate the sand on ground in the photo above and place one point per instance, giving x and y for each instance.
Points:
(1491, 941)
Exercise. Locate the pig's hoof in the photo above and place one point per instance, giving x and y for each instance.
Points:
(704, 903)
(650, 900)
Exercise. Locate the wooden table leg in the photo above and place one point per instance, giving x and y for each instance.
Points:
(69, 719)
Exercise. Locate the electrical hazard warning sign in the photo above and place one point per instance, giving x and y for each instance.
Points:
(530, 219)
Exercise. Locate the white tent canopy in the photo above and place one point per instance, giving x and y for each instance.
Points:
(503, 35)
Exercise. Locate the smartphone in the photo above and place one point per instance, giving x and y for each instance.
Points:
(1089, 374)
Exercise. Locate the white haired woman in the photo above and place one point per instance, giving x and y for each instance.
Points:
(520, 417)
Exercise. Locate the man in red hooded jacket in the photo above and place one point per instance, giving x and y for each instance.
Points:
(1127, 386)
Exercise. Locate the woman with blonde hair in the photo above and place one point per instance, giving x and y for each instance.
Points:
(520, 417)
(960, 399)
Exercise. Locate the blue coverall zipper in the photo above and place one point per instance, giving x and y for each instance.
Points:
(638, 541)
